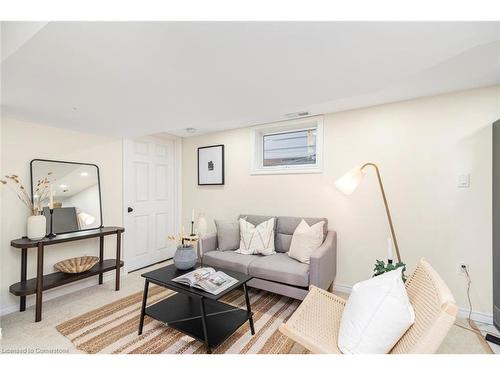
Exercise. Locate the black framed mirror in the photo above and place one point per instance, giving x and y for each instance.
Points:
(76, 194)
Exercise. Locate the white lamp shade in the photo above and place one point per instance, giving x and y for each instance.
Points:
(350, 181)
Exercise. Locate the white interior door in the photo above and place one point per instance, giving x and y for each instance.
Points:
(150, 200)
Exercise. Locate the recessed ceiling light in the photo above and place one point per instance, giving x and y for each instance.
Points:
(297, 114)
(63, 186)
(84, 174)
(191, 130)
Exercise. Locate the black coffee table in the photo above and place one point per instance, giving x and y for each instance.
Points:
(194, 312)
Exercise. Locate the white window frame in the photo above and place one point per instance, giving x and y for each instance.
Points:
(257, 137)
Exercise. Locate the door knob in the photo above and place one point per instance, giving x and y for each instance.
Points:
(130, 209)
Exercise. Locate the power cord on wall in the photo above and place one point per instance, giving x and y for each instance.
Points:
(472, 327)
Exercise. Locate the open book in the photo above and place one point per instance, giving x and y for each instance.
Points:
(207, 279)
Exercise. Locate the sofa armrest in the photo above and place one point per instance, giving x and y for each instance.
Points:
(323, 264)
(208, 243)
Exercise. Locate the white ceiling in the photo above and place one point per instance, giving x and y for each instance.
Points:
(136, 78)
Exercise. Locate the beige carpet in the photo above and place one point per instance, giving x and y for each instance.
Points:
(113, 328)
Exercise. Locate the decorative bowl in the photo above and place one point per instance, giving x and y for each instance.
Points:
(185, 257)
(76, 265)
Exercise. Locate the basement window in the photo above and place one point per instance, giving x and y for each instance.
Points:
(288, 147)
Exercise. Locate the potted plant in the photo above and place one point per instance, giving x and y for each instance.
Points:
(36, 222)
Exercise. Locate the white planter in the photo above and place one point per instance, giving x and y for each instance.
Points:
(36, 227)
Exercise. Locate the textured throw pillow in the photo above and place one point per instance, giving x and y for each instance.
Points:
(257, 239)
(228, 234)
(376, 315)
(305, 240)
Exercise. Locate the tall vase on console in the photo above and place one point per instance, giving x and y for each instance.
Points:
(36, 224)
(36, 227)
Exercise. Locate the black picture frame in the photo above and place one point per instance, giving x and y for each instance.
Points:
(221, 182)
(98, 188)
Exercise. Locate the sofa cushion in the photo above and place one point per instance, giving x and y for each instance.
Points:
(258, 219)
(281, 268)
(229, 259)
(257, 239)
(286, 226)
(228, 234)
(305, 240)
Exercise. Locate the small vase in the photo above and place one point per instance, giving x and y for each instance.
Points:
(185, 257)
(202, 226)
(36, 227)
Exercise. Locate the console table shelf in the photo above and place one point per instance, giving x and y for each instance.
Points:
(44, 282)
(53, 280)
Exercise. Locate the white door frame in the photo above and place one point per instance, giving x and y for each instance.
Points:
(126, 180)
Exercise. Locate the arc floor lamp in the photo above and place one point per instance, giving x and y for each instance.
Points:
(351, 180)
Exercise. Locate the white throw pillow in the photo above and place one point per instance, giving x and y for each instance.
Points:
(305, 240)
(376, 315)
(257, 239)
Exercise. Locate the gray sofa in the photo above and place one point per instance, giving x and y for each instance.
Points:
(278, 273)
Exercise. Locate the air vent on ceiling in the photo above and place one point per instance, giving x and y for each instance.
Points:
(297, 114)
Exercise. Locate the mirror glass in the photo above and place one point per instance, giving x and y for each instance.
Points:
(75, 191)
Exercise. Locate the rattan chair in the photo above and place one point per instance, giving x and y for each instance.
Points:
(316, 322)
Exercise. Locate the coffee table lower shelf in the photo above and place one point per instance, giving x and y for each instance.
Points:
(183, 313)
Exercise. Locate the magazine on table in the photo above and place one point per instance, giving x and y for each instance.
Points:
(207, 279)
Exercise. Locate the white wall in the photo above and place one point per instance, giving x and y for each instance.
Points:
(421, 145)
(21, 142)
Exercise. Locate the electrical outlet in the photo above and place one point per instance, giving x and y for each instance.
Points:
(462, 267)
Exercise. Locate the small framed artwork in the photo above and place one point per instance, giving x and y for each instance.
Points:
(211, 165)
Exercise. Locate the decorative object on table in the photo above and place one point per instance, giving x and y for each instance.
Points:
(194, 241)
(350, 181)
(36, 223)
(51, 210)
(185, 257)
(76, 265)
(192, 224)
(36, 226)
(202, 225)
(211, 165)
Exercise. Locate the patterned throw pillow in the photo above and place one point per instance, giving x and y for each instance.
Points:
(257, 239)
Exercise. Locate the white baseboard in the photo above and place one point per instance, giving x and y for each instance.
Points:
(58, 292)
(476, 315)
(463, 312)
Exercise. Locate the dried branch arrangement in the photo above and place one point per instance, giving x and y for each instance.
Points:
(41, 192)
(177, 238)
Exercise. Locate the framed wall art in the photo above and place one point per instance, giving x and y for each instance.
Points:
(211, 165)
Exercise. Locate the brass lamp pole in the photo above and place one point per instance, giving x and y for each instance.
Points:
(350, 181)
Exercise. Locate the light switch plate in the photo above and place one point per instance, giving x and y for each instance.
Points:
(463, 180)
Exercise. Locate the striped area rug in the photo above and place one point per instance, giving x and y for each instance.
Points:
(113, 328)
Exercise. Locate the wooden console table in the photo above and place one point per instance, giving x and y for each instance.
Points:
(44, 282)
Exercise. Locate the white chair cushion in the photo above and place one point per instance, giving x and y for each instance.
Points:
(256, 239)
(377, 313)
(305, 240)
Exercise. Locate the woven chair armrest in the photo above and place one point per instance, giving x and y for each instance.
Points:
(333, 296)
